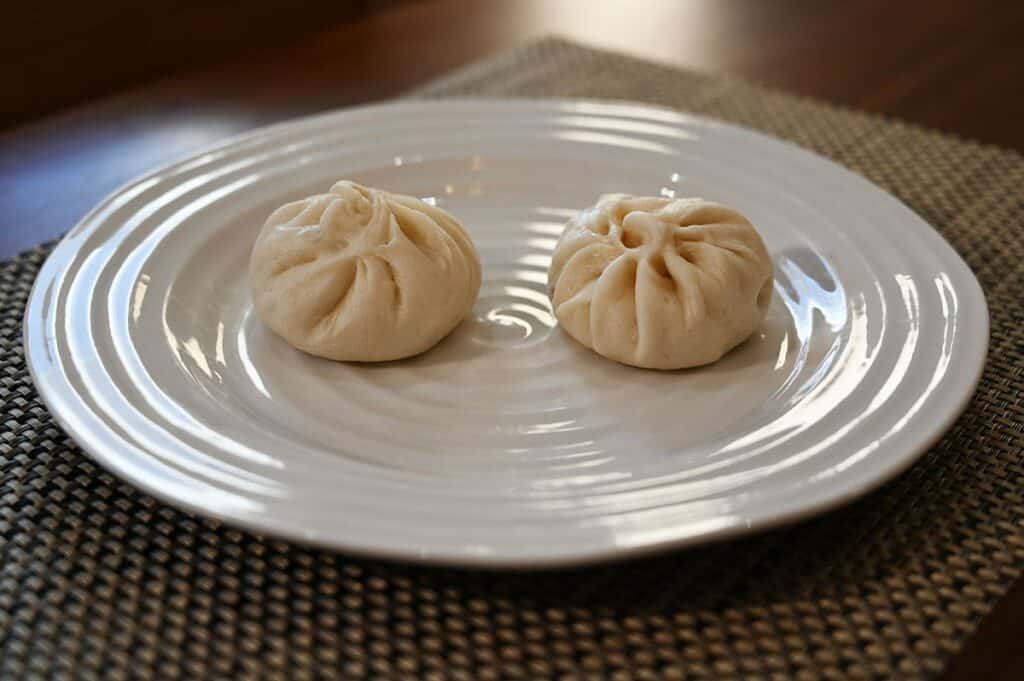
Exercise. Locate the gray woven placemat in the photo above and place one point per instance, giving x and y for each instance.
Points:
(98, 580)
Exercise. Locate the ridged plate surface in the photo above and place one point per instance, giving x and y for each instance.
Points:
(508, 444)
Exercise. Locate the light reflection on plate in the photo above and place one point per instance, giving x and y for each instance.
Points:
(507, 444)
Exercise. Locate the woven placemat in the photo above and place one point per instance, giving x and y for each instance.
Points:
(100, 581)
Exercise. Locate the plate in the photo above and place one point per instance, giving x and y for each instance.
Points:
(508, 444)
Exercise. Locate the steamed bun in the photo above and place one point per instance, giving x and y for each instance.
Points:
(660, 283)
(363, 275)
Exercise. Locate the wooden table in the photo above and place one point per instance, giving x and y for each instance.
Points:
(956, 65)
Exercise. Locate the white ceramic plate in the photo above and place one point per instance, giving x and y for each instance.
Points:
(508, 444)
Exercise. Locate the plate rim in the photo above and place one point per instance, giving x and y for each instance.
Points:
(55, 391)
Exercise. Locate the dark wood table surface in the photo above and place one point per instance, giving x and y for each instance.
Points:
(955, 65)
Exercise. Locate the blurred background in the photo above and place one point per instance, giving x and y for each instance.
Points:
(918, 59)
